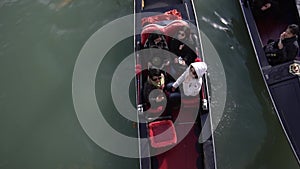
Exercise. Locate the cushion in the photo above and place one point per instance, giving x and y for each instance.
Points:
(162, 133)
(169, 15)
(168, 30)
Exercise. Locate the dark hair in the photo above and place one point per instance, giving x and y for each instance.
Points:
(194, 73)
(154, 35)
(154, 72)
(294, 29)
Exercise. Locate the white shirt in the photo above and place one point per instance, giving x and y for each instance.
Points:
(192, 86)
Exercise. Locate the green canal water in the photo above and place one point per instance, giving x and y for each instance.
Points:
(40, 41)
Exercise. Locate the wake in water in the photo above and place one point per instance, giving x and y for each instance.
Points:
(215, 25)
(56, 5)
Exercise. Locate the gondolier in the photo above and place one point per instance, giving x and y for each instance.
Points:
(287, 45)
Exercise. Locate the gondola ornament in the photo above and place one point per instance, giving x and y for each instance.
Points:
(294, 69)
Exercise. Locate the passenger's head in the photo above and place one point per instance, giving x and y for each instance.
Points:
(183, 33)
(154, 74)
(193, 72)
(292, 29)
(155, 36)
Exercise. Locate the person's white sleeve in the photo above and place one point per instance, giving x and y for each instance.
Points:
(181, 78)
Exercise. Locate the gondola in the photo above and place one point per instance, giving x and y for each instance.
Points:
(282, 80)
(184, 138)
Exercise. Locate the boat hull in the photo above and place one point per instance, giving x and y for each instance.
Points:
(282, 84)
(191, 151)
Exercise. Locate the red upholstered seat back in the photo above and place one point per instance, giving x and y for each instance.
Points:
(169, 15)
(172, 28)
(162, 133)
(169, 30)
(150, 29)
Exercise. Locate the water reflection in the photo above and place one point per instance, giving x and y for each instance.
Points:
(38, 49)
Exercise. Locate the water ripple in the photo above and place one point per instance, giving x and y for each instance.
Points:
(8, 2)
(223, 20)
(215, 25)
(44, 2)
(59, 31)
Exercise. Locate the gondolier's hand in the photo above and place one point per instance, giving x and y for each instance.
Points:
(282, 36)
(280, 45)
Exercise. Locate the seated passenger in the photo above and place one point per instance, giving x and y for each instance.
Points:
(156, 58)
(286, 48)
(155, 94)
(156, 40)
(191, 79)
(180, 46)
(155, 80)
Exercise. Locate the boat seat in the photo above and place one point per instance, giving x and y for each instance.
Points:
(149, 29)
(170, 15)
(162, 133)
(169, 30)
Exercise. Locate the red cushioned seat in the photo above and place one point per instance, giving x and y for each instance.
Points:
(162, 133)
(169, 15)
(168, 30)
(150, 29)
(172, 28)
